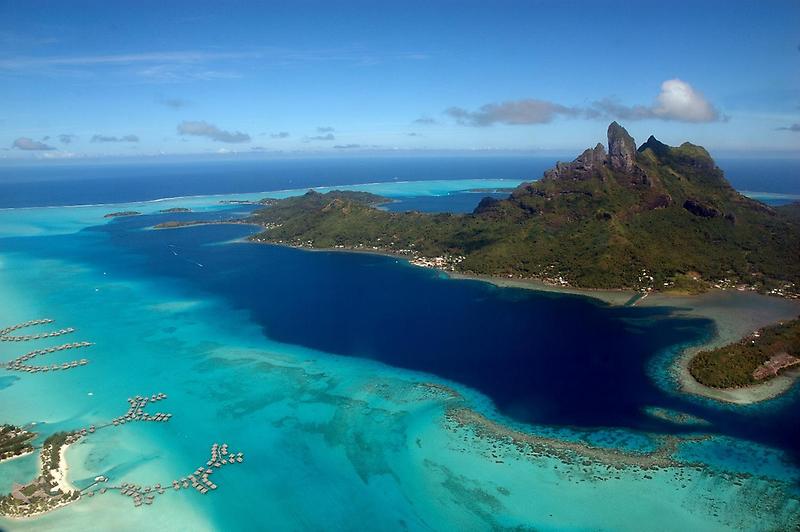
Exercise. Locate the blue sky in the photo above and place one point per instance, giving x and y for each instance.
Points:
(142, 78)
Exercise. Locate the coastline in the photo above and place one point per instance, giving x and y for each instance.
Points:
(615, 297)
(99, 509)
(10, 458)
(200, 224)
(60, 474)
(745, 395)
(735, 314)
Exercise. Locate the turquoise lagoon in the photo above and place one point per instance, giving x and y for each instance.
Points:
(339, 430)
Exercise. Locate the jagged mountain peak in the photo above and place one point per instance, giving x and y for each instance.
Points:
(621, 148)
(657, 147)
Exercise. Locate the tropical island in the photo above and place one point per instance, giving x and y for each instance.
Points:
(650, 219)
(175, 210)
(264, 201)
(656, 218)
(755, 358)
(173, 224)
(50, 489)
(14, 442)
(122, 213)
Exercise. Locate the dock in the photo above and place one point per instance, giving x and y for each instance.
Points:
(5, 334)
(31, 323)
(199, 479)
(19, 363)
(136, 412)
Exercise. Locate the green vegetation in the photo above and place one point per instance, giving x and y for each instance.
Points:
(173, 224)
(790, 212)
(734, 365)
(14, 441)
(54, 444)
(658, 218)
(122, 213)
(343, 218)
(42, 493)
(688, 283)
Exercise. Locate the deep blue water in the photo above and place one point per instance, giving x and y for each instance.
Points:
(780, 176)
(25, 185)
(47, 185)
(542, 358)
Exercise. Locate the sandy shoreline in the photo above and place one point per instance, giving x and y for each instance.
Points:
(62, 483)
(736, 314)
(10, 458)
(200, 224)
(612, 297)
(60, 474)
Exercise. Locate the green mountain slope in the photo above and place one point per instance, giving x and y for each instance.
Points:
(653, 217)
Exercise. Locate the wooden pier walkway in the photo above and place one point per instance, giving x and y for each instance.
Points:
(19, 363)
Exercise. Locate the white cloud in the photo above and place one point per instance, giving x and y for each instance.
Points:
(204, 129)
(107, 138)
(193, 57)
(680, 101)
(180, 73)
(172, 103)
(60, 155)
(329, 136)
(188, 65)
(24, 143)
(516, 112)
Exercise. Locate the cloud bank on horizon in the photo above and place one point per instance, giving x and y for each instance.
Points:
(677, 101)
(484, 82)
(26, 144)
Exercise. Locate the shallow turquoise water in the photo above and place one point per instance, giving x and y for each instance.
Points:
(333, 442)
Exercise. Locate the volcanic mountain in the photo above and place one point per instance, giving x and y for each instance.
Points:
(653, 217)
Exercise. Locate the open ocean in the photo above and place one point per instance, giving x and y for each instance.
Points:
(76, 183)
(337, 373)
